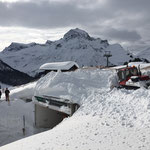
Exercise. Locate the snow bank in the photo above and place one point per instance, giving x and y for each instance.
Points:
(21, 92)
(75, 86)
(107, 119)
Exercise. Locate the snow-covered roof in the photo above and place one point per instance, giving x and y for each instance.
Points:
(59, 65)
(142, 65)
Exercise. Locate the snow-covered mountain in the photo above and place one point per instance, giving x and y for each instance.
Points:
(10, 76)
(145, 54)
(76, 45)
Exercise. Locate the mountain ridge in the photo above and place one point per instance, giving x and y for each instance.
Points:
(145, 54)
(11, 76)
(76, 45)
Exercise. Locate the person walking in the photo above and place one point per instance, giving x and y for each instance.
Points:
(0, 93)
(7, 94)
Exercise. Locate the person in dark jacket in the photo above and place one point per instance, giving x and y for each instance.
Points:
(7, 94)
(0, 93)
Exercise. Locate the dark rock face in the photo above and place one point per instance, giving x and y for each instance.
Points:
(137, 60)
(11, 76)
(77, 33)
(48, 42)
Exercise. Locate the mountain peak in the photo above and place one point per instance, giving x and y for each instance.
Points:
(48, 42)
(77, 33)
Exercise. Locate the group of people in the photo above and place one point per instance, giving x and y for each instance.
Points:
(6, 91)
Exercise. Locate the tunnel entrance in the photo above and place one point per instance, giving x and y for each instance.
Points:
(47, 118)
(50, 111)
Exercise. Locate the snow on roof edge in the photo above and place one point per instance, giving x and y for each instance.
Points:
(59, 65)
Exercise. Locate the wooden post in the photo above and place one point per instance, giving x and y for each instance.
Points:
(23, 129)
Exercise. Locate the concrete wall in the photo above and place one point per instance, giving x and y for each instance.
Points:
(47, 118)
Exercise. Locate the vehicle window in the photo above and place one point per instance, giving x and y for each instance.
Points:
(121, 75)
(127, 73)
(134, 71)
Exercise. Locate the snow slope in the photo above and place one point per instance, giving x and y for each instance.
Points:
(10, 76)
(11, 114)
(106, 120)
(11, 121)
(76, 45)
(145, 54)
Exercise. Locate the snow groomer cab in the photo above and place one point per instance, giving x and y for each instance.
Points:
(130, 77)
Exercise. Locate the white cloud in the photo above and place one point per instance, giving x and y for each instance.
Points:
(12, 1)
(26, 35)
(99, 17)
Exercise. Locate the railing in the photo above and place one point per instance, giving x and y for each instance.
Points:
(50, 101)
(58, 102)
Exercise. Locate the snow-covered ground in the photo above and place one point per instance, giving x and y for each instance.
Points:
(11, 121)
(23, 92)
(11, 114)
(106, 120)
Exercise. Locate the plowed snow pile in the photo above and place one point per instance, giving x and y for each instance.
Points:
(107, 119)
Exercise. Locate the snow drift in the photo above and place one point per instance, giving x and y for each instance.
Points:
(107, 119)
(75, 86)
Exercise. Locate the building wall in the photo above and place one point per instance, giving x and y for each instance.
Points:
(47, 118)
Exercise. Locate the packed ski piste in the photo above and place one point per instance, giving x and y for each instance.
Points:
(107, 119)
